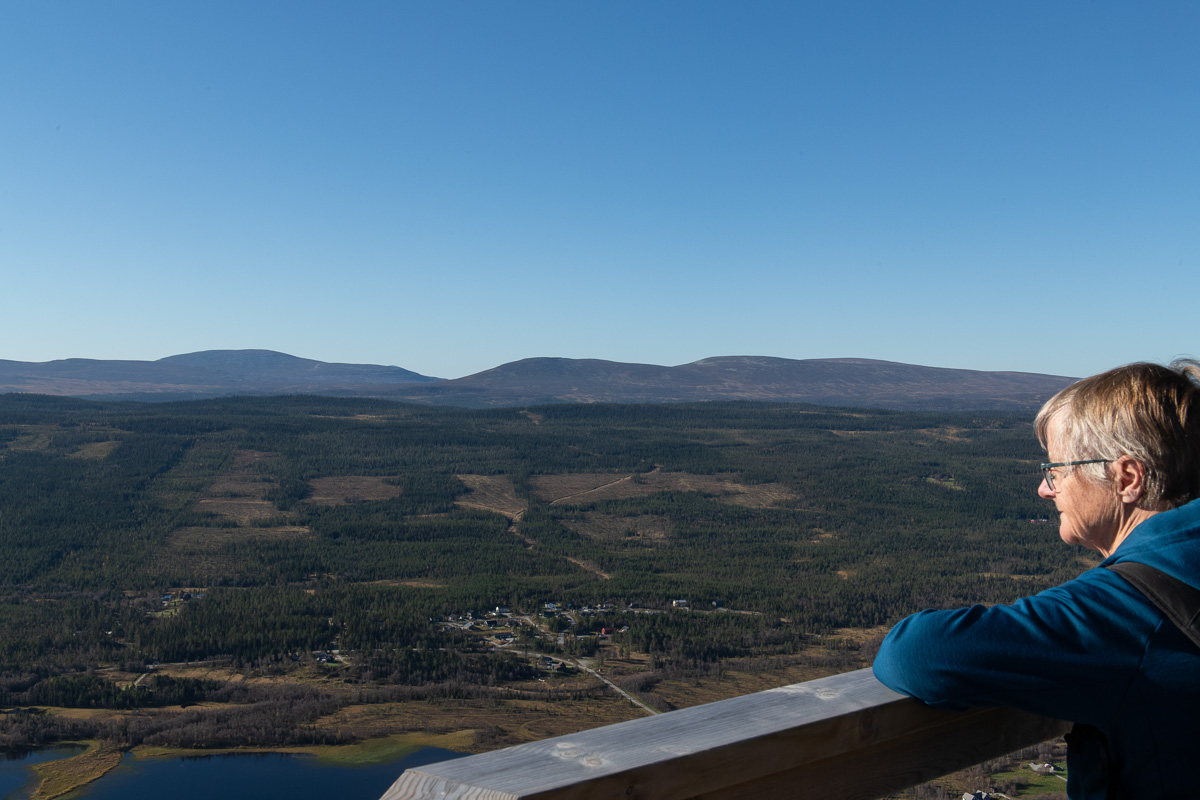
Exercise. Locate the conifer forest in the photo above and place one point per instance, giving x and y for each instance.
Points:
(388, 544)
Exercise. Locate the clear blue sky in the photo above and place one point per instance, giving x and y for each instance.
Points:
(448, 186)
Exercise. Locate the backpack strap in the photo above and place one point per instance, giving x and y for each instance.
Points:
(1174, 598)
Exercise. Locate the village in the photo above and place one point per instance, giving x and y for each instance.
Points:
(558, 637)
(573, 635)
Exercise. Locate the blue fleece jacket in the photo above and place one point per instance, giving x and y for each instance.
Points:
(1093, 651)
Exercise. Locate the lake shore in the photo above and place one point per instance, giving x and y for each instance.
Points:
(368, 751)
(56, 778)
(59, 777)
(473, 726)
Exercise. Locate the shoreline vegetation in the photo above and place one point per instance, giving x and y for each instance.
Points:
(62, 776)
(472, 726)
(56, 778)
(467, 725)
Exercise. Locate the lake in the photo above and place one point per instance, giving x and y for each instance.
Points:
(224, 777)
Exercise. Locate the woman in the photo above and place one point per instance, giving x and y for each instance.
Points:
(1124, 473)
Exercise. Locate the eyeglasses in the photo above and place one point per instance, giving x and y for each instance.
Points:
(1047, 469)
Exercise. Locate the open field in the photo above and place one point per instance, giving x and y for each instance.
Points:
(370, 751)
(206, 552)
(494, 493)
(239, 494)
(648, 528)
(482, 725)
(579, 489)
(96, 450)
(200, 539)
(350, 489)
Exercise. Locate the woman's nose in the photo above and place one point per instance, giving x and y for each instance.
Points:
(1044, 490)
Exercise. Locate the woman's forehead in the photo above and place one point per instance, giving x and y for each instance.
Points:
(1053, 425)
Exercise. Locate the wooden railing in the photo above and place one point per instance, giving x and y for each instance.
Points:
(843, 737)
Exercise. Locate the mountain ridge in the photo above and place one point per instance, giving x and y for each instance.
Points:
(206, 373)
(850, 382)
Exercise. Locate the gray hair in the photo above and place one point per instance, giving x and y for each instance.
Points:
(1146, 411)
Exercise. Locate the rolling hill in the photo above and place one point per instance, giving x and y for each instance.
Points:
(209, 373)
(853, 382)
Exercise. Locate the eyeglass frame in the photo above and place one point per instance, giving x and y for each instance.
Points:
(1048, 476)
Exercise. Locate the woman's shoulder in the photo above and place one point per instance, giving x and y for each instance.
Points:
(1169, 541)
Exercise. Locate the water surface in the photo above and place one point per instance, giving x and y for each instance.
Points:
(231, 777)
(17, 780)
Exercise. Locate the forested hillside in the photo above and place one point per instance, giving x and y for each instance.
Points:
(269, 531)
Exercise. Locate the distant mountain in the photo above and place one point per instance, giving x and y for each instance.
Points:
(537, 381)
(828, 381)
(211, 373)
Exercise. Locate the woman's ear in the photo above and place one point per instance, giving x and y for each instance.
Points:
(1130, 477)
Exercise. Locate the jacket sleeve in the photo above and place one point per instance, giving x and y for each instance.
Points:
(1071, 652)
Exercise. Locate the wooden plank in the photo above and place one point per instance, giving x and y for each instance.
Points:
(815, 734)
(889, 766)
